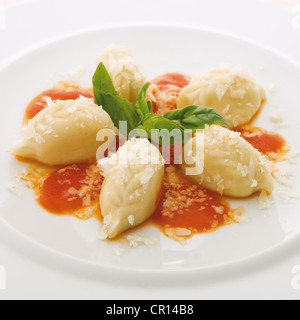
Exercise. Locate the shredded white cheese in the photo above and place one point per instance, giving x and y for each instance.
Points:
(283, 176)
(119, 250)
(14, 189)
(254, 183)
(272, 86)
(221, 90)
(293, 155)
(131, 219)
(178, 234)
(135, 240)
(263, 201)
(106, 223)
(242, 219)
(287, 195)
(277, 116)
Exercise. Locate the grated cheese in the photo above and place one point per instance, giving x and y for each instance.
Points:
(263, 201)
(272, 86)
(243, 169)
(282, 125)
(106, 223)
(219, 210)
(287, 195)
(226, 109)
(242, 219)
(277, 116)
(14, 189)
(221, 90)
(236, 214)
(134, 240)
(293, 155)
(283, 176)
(178, 234)
(131, 219)
(254, 183)
(118, 250)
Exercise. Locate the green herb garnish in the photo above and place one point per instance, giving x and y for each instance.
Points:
(195, 117)
(140, 117)
(119, 109)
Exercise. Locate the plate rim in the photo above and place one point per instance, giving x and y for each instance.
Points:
(271, 254)
(29, 49)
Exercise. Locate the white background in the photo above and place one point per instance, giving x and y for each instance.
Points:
(30, 279)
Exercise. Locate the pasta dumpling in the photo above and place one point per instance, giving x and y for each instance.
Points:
(231, 92)
(130, 191)
(123, 70)
(63, 133)
(229, 164)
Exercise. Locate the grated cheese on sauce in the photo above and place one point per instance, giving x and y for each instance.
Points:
(178, 234)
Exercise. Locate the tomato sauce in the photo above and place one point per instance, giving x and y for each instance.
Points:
(70, 188)
(267, 142)
(65, 190)
(166, 91)
(187, 205)
(173, 78)
(40, 101)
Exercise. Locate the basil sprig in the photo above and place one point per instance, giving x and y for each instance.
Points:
(195, 117)
(143, 107)
(119, 109)
(140, 116)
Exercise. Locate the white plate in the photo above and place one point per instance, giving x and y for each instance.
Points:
(66, 241)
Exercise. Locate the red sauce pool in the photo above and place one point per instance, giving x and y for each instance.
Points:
(167, 91)
(70, 188)
(188, 205)
(266, 142)
(173, 78)
(40, 102)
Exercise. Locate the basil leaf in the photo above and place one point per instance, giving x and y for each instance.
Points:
(141, 104)
(102, 81)
(119, 109)
(149, 103)
(162, 131)
(195, 117)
